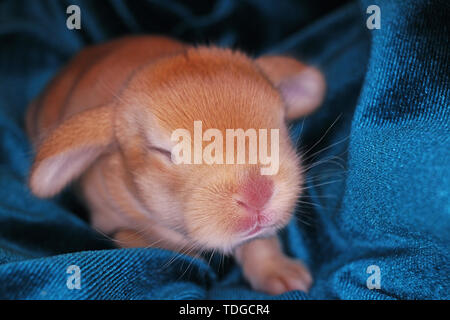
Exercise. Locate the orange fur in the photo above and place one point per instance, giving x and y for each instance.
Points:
(105, 118)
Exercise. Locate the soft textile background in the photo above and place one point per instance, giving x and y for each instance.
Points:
(377, 194)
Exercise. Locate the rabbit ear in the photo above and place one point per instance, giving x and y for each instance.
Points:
(70, 149)
(302, 87)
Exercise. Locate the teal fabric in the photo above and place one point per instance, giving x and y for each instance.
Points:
(378, 187)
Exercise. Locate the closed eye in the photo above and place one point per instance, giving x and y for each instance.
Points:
(164, 152)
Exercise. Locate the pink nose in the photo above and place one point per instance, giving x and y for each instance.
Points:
(255, 193)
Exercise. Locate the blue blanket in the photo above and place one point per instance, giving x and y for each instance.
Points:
(374, 222)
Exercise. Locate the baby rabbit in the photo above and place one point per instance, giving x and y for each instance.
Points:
(106, 122)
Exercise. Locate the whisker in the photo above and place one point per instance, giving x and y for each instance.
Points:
(331, 160)
(189, 265)
(300, 134)
(322, 184)
(324, 176)
(177, 254)
(325, 148)
(309, 224)
(307, 202)
(323, 136)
